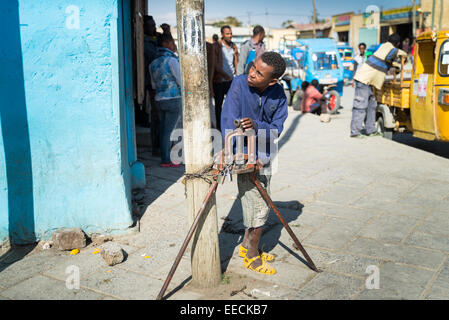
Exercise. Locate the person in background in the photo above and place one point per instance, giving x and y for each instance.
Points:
(372, 73)
(251, 50)
(406, 45)
(360, 58)
(150, 53)
(313, 101)
(210, 78)
(214, 38)
(166, 80)
(229, 58)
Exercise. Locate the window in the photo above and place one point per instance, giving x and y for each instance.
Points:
(443, 67)
(325, 60)
(348, 53)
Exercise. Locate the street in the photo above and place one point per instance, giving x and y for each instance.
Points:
(371, 213)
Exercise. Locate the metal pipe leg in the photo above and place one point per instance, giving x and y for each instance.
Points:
(212, 189)
(267, 198)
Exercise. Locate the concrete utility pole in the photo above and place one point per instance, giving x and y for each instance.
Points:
(249, 18)
(205, 253)
(314, 19)
(414, 18)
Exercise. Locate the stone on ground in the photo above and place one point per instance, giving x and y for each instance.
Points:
(69, 239)
(112, 253)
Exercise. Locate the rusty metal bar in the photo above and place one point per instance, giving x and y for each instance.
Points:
(212, 189)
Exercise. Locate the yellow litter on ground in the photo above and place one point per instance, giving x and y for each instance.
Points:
(96, 251)
(74, 251)
(147, 257)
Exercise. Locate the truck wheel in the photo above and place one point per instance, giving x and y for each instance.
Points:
(387, 133)
(297, 100)
(335, 101)
(289, 97)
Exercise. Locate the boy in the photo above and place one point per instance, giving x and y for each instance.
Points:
(259, 100)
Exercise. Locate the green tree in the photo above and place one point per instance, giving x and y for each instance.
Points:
(318, 19)
(287, 23)
(231, 21)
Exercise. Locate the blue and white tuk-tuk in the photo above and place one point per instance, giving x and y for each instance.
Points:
(319, 58)
(347, 56)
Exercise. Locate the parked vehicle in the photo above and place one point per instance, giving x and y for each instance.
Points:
(418, 102)
(320, 60)
(291, 79)
(369, 51)
(347, 56)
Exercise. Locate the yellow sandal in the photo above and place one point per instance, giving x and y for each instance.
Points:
(264, 268)
(265, 256)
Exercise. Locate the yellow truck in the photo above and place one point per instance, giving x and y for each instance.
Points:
(417, 100)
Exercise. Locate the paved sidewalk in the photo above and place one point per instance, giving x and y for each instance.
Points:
(356, 205)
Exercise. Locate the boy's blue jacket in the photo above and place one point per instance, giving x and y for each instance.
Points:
(268, 110)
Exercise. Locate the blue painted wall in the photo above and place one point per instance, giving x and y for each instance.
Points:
(67, 143)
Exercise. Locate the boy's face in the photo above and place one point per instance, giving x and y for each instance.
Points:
(260, 75)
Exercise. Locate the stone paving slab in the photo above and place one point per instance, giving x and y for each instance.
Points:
(438, 215)
(29, 266)
(389, 228)
(45, 288)
(442, 279)
(424, 240)
(405, 209)
(335, 233)
(86, 261)
(327, 286)
(342, 195)
(398, 282)
(123, 284)
(340, 211)
(337, 262)
(424, 203)
(431, 190)
(436, 228)
(437, 293)
(397, 252)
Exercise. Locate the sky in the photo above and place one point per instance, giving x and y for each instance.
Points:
(164, 11)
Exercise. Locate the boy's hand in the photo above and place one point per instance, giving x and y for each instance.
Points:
(247, 123)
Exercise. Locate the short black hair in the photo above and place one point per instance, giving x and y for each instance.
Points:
(163, 38)
(215, 37)
(304, 85)
(258, 29)
(224, 27)
(276, 61)
(148, 20)
(394, 38)
(362, 44)
(315, 83)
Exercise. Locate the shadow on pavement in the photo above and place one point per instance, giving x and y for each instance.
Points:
(285, 137)
(233, 230)
(438, 148)
(14, 254)
(158, 180)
